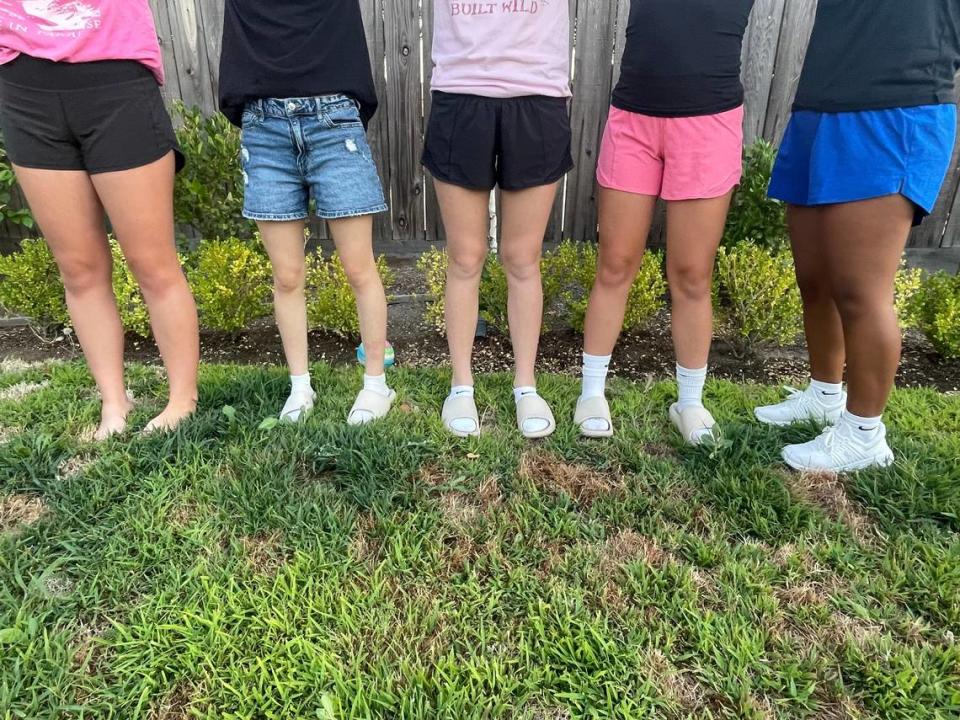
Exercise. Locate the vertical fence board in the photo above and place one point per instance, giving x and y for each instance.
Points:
(797, 25)
(759, 54)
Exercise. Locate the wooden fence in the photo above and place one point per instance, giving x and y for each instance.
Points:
(399, 34)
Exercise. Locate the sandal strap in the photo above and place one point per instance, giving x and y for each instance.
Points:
(377, 404)
(592, 408)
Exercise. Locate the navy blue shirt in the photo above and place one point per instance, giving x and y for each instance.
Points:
(682, 57)
(881, 54)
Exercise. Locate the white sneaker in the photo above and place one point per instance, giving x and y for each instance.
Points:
(841, 448)
(298, 404)
(801, 406)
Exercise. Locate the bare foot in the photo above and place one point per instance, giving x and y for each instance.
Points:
(171, 417)
(113, 420)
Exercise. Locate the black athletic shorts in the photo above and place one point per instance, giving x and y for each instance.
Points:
(97, 116)
(480, 142)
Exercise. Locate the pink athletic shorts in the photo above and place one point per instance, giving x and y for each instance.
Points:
(686, 158)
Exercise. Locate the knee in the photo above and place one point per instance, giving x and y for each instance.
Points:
(288, 280)
(521, 267)
(690, 282)
(82, 275)
(854, 303)
(362, 276)
(814, 288)
(466, 264)
(617, 270)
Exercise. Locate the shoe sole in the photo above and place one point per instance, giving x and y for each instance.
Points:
(884, 461)
(829, 419)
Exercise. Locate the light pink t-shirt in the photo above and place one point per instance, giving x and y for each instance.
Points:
(502, 49)
(77, 31)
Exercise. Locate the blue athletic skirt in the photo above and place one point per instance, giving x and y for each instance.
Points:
(829, 158)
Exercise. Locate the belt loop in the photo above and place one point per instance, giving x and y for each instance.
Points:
(261, 113)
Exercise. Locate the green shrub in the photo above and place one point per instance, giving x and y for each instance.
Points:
(8, 181)
(757, 296)
(572, 269)
(494, 294)
(433, 265)
(755, 217)
(232, 283)
(130, 302)
(331, 305)
(209, 190)
(907, 287)
(938, 312)
(30, 285)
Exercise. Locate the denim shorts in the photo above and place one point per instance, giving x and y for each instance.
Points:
(297, 149)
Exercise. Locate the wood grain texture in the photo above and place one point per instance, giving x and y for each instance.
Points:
(759, 55)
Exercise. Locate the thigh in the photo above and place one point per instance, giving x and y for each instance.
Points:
(139, 203)
(694, 231)
(535, 138)
(68, 213)
(285, 244)
(460, 146)
(864, 243)
(466, 218)
(526, 214)
(625, 221)
(353, 237)
(341, 172)
(275, 189)
(808, 241)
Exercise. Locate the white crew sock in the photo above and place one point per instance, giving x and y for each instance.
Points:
(532, 425)
(690, 386)
(865, 428)
(300, 384)
(595, 369)
(376, 383)
(830, 394)
(463, 425)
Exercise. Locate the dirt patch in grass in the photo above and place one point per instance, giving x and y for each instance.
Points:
(21, 390)
(86, 651)
(680, 686)
(182, 515)
(583, 484)
(176, 706)
(264, 552)
(73, 466)
(627, 546)
(827, 492)
(8, 433)
(19, 511)
(363, 548)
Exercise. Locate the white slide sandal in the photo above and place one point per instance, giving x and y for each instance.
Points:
(695, 424)
(533, 407)
(370, 406)
(459, 408)
(593, 408)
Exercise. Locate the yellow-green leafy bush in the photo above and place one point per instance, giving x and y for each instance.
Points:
(30, 285)
(130, 303)
(232, 283)
(907, 287)
(757, 294)
(938, 311)
(331, 305)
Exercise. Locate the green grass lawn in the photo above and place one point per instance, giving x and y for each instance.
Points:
(319, 571)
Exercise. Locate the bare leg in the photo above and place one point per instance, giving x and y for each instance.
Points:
(625, 221)
(525, 217)
(824, 331)
(466, 221)
(139, 203)
(694, 231)
(284, 243)
(354, 240)
(863, 245)
(70, 215)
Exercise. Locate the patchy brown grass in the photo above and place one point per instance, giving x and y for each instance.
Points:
(20, 390)
(627, 546)
(827, 492)
(176, 706)
(265, 552)
(680, 686)
(74, 466)
(86, 651)
(363, 548)
(182, 515)
(431, 476)
(582, 483)
(20, 510)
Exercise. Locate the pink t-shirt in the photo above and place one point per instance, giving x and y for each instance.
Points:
(78, 31)
(502, 49)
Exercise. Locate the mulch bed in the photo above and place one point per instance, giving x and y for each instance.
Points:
(638, 356)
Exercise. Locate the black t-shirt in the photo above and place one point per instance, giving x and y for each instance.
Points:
(294, 48)
(879, 54)
(682, 57)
